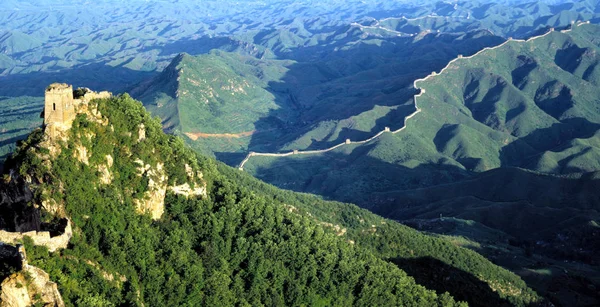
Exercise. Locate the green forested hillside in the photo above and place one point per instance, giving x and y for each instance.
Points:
(500, 161)
(210, 97)
(227, 104)
(245, 242)
(531, 105)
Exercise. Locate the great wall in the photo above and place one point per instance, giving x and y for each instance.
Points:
(41, 238)
(417, 109)
(61, 106)
(60, 109)
(378, 26)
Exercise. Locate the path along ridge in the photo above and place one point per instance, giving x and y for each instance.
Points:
(422, 91)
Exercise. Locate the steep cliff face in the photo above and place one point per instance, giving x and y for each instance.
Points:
(25, 285)
(31, 286)
(15, 213)
(153, 199)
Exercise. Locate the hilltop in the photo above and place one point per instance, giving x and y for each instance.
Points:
(218, 93)
(153, 223)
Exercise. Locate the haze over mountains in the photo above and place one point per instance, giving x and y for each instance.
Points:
(500, 154)
(100, 45)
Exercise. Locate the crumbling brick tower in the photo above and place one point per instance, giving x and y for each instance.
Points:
(59, 108)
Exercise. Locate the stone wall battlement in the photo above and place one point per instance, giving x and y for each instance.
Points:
(40, 238)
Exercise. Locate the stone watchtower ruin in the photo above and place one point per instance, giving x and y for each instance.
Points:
(61, 106)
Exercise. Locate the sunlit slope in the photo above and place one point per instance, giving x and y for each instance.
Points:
(532, 105)
(227, 104)
(516, 105)
(235, 241)
(220, 101)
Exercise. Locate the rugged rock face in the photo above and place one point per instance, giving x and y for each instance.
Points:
(153, 201)
(141, 133)
(19, 217)
(187, 191)
(30, 287)
(106, 176)
(15, 213)
(14, 293)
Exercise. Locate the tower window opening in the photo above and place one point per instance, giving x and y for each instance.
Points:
(54, 107)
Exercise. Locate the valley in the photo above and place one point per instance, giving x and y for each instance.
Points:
(466, 133)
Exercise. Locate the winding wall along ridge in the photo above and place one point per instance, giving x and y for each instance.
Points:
(422, 91)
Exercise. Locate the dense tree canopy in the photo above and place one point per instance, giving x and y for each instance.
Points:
(245, 243)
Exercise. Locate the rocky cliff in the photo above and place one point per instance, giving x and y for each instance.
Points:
(31, 286)
(15, 214)
(28, 285)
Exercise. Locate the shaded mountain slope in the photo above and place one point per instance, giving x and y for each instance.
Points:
(524, 204)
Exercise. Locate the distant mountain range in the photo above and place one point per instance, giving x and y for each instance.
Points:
(526, 104)
(500, 154)
(92, 44)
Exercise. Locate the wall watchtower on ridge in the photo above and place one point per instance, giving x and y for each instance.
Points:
(59, 107)
(62, 105)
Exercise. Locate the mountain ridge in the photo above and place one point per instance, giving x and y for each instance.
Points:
(417, 110)
(111, 234)
(496, 166)
(470, 115)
